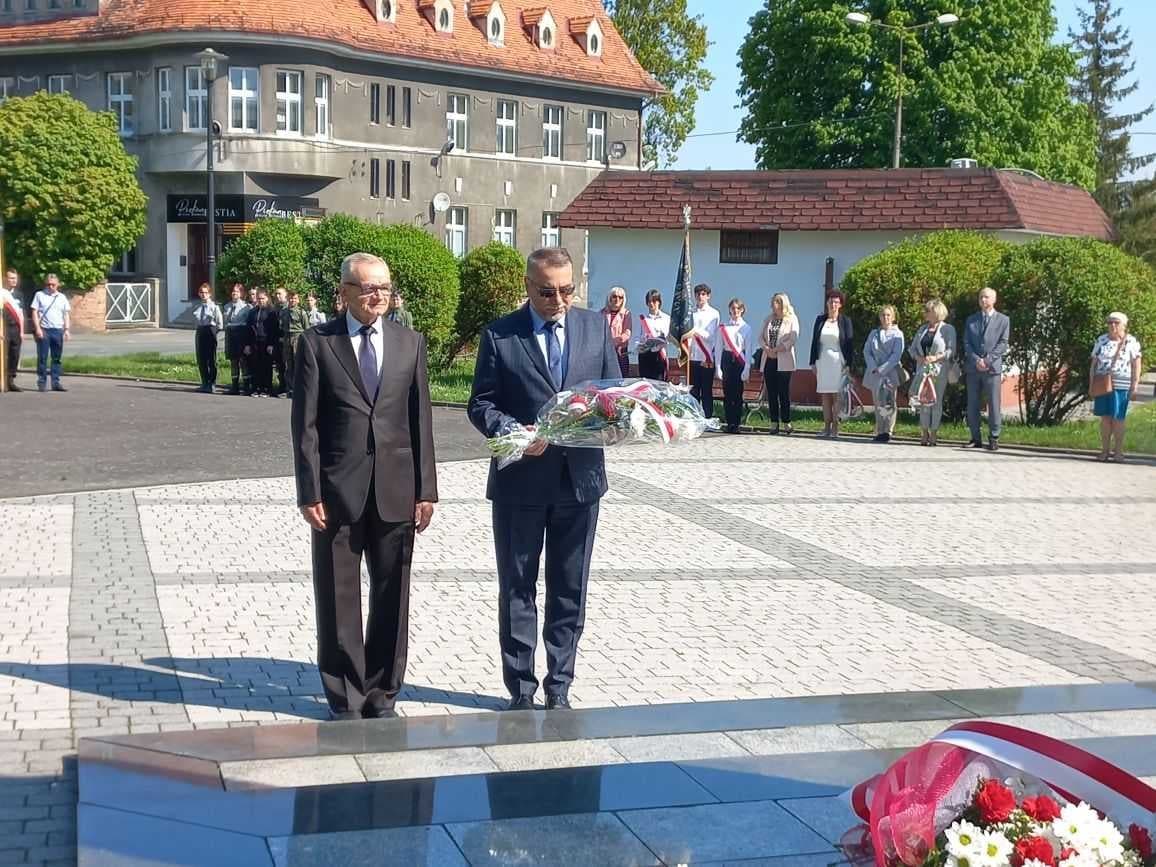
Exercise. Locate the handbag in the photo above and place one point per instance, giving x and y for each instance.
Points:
(954, 372)
(1102, 382)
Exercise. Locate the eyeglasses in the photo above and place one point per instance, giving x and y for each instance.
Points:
(366, 291)
(550, 292)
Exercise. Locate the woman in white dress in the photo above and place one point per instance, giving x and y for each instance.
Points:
(831, 351)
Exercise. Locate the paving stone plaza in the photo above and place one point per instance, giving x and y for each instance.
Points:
(734, 570)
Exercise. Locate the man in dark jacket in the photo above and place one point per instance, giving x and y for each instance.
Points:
(264, 341)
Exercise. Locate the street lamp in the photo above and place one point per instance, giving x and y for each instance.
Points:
(211, 62)
(858, 19)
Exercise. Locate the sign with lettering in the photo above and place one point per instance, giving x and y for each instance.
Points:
(232, 208)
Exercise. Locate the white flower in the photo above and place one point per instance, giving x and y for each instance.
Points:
(1076, 822)
(962, 861)
(1033, 862)
(1105, 841)
(963, 840)
(994, 850)
(638, 422)
(1080, 859)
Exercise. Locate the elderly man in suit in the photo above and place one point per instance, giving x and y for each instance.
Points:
(552, 495)
(985, 339)
(366, 481)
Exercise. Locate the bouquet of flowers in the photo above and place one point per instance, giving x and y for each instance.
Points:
(976, 796)
(651, 344)
(604, 413)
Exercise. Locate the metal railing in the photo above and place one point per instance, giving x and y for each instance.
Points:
(130, 303)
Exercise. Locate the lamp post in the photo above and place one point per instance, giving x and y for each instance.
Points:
(858, 19)
(211, 62)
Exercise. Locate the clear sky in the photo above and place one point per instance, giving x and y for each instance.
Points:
(727, 26)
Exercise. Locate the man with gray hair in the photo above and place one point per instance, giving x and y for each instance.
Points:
(985, 340)
(366, 482)
(551, 496)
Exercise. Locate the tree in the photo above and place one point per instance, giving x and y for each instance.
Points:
(1136, 222)
(1058, 292)
(69, 195)
(820, 93)
(492, 284)
(270, 254)
(1105, 49)
(330, 241)
(671, 45)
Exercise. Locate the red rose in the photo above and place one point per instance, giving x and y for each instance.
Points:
(995, 801)
(1141, 841)
(1042, 808)
(1033, 847)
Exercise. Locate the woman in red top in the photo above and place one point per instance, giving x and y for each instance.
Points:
(618, 320)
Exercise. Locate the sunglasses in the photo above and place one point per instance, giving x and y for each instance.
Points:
(366, 291)
(548, 292)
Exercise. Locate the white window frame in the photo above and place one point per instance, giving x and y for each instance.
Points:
(375, 178)
(165, 99)
(121, 101)
(196, 99)
(595, 136)
(507, 140)
(58, 83)
(323, 121)
(505, 226)
(457, 231)
(7, 87)
(458, 120)
(552, 132)
(289, 117)
(248, 94)
(551, 231)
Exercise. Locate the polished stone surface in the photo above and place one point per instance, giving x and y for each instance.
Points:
(291, 773)
(1054, 699)
(425, 763)
(759, 778)
(796, 739)
(831, 818)
(555, 841)
(555, 754)
(659, 748)
(428, 846)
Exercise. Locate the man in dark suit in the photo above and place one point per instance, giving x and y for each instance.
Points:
(985, 339)
(552, 495)
(366, 481)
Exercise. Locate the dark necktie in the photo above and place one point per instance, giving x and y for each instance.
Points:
(367, 362)
(554, 353)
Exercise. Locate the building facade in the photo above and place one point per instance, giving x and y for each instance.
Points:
(476, 120)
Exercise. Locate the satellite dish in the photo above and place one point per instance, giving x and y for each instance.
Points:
(441, 202)
(617, 150)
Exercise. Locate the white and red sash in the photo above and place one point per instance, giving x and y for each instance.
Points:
(729, 340)
(10, 307)
(648, 332)
(708, 356)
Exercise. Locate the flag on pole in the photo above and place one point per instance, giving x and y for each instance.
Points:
(682, 308)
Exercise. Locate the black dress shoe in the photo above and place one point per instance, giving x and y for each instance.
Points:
(522, 702)
(993, 444)
(557, 702)
(14, 387)
(370, 712)
(344, 715)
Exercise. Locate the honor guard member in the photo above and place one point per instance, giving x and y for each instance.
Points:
(703, 339)
(294, 322)
(264, 339)
(733, 351)
(236, 318)
(12, 315)
(207, 315)
(281, 306)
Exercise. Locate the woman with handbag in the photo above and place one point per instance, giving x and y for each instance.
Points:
(936, 367)
(883, 353)
(1114, 378)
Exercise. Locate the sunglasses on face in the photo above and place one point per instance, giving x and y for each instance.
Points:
(366, 291)
(550, 292)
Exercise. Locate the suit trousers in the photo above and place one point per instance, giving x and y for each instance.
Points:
(652, 365)
(986, 387)
(702, 386)
(288, 359)
(778, 385)
(12, 344)
(261, 367)
(567, 528)
(206, 343)
(278, 364)
(361, 669)
(732, 373)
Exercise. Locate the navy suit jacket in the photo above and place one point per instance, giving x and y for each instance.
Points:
(512, 382)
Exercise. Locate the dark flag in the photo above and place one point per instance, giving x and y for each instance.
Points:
(682, 308)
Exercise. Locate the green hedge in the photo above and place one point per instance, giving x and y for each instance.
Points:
(272, 253)
(492, 284)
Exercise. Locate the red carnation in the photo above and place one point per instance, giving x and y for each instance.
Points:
(995, 801)
(1068, 852)
(1033, 847)
(1141, 841)
(1042, 808)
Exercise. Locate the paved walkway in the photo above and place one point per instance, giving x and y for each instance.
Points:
(800, 567)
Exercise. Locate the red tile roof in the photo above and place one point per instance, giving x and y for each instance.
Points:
(351, 24)
(839, 200)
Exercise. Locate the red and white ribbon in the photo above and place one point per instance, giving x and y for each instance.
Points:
(635, 392)
(650, 335)
(728, 339)
(702, 347)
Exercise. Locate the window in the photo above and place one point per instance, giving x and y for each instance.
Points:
(53, 4)
(748, 248)
(458, 120)
(7, 87)
(551, 234)
(375, 179)
(595, 136)
(29, 5)
(390, 105)
(288, 102)
(444, 20)
(551, 132)
(165, 99)
(321, 85)
(196, 98)
(6, 6)
(59, 83)
(495, 29)
(405, 180)
(244, 98)
(126, 263)
(594, 44)
(547, 38)
(386, 9)
(456, 219)
(504, 227)
(391, 179)
(507, 127)
(375, 103)
(407, 107)
(120, 101)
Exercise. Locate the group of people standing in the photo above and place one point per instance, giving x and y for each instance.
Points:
(51, 326)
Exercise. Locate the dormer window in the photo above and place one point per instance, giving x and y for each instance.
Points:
(541, 26)
(444, 21)
(490, 19)
(385, 11)
(440, 14)
(588, 32)
(547, 37)
(495, 29)
(595, 45)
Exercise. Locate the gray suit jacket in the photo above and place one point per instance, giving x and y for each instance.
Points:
(989, 344)
(512, 382)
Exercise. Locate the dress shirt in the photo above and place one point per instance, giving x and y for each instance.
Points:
(706, 323)
(236, 314)
(376, 338)
(658, 324)
(51, 308)
(316, 317)
(740, 334)
(540, 337)
(208, 313)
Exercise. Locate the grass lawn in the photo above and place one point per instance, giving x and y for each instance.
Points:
(453, 386)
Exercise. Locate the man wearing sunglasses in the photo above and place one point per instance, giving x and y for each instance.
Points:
(366, 482)
(552, 495)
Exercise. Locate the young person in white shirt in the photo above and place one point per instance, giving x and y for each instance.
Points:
(52, 324)
(733, 351)
(702, 349)
(653, 326)
(209, 321)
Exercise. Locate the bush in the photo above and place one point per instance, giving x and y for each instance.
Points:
(330, 241)
(492, 284)
(270, 254)
(1058, 292)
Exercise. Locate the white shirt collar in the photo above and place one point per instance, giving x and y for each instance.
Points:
(353, 324)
